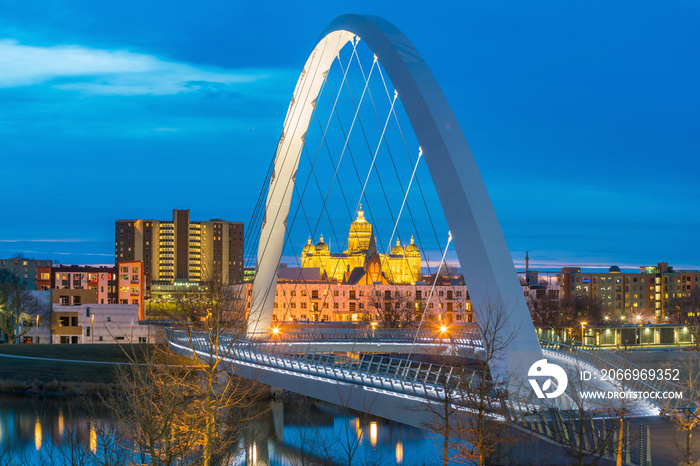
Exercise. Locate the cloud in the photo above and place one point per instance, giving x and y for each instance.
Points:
(114, 72)
(46, 240)
(73, 254)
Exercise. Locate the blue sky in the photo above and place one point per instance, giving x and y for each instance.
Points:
(582, 116)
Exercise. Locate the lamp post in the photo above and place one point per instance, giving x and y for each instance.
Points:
(92, 327)
(37, 330)
(583, 338)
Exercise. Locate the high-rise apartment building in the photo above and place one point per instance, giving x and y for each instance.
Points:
(180, 250)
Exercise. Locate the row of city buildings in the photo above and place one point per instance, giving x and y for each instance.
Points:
(645, 295)
(83, 304)
(155, 259)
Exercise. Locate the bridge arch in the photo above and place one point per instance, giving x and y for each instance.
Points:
(483, 254)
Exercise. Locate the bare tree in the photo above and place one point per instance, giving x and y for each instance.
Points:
(452, 271)
(468, 417)
(14, 458)
(483, 391)
(583, 428)
(684, 413)
(393, 310)
(71, 451)
(307, 422)
(183, 409)
(19, 309)
(216, 315)
(342, 446)
(549, 312)
(546, 313)
(152, 407)
(685, 310)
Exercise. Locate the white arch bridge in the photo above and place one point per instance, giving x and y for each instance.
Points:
(377, 372)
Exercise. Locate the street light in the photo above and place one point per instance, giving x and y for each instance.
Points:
(92, 327)
(641, 334)
(37, 329)
(583, 324)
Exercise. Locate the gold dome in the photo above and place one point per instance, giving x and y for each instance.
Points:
(309, 248)
(321, 247)
(360, 232)
(398, 249)
(412, 249)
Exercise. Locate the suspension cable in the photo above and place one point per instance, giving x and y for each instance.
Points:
(430, 296)
(396, 224)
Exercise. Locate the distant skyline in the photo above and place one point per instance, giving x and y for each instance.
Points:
(583, 118)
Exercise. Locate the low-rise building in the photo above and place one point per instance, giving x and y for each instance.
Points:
(102, 280)
(73, 297)
(98, 323)
(132, 285)
(26, 270)
(76, 285)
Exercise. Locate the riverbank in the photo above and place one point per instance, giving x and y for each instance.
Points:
(64, 369)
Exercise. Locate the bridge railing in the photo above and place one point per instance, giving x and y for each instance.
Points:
(603, 359)
(471, 337)
(403, 376)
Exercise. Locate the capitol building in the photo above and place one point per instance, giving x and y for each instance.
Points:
(361, 263)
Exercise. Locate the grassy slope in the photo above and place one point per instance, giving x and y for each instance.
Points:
(46, 371)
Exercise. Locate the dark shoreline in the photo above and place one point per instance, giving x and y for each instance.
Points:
(55, 388)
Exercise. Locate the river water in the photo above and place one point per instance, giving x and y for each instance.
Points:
(36, 430)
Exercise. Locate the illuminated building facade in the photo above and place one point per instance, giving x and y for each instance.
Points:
(97, 323)
(316, 301)
(361, 263)
(639, 296)
(102, 280)
(26, 270)
(182, 251)
(131, 285)
(77, 285)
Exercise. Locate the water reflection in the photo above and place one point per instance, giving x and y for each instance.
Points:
(300, 431)
(29, 424)
(37, 434)
(61, 422)
(93, 438)
(320, 433)
(373, 433)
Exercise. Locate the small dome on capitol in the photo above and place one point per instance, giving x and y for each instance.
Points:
(412, 249)
(309, 248)
(321, 247)
(398, 249)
